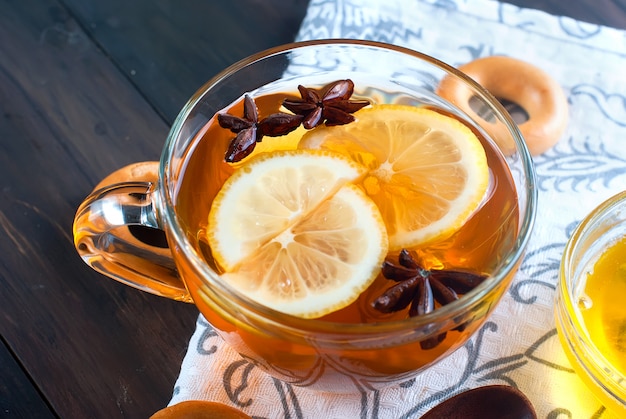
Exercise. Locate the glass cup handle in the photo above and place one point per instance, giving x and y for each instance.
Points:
(117, 233)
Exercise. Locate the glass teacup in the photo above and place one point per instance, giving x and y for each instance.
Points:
(335, 353)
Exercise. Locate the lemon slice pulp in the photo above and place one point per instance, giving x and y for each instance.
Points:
(427, 172)
(292, 232)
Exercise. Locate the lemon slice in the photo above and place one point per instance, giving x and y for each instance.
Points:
(294, 233)
(427, 172)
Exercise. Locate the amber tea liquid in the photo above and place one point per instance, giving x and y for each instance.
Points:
(478, 246)
(602, 307)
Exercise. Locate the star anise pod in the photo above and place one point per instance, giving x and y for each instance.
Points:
(330, 105)
(421, 288)
(250, 130)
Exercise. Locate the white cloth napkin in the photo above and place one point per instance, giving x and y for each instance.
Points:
(518, 345)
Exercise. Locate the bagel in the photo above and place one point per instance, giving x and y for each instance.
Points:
(541, 97)
(199, 409)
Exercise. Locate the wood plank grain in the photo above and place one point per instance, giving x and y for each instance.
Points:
(68, 116)
(169, 49)
(19, 397)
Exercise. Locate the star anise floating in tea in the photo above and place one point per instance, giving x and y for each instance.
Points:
(420, 288)
(330, 105)
(250, 130)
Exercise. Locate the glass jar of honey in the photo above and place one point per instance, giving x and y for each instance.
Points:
(590, 309)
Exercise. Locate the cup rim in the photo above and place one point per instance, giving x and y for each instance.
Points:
(449, 311)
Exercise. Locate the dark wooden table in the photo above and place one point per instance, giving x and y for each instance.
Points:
(86, 87)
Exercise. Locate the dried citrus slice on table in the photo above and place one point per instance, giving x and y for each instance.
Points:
(427, 172)
(292, 231)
